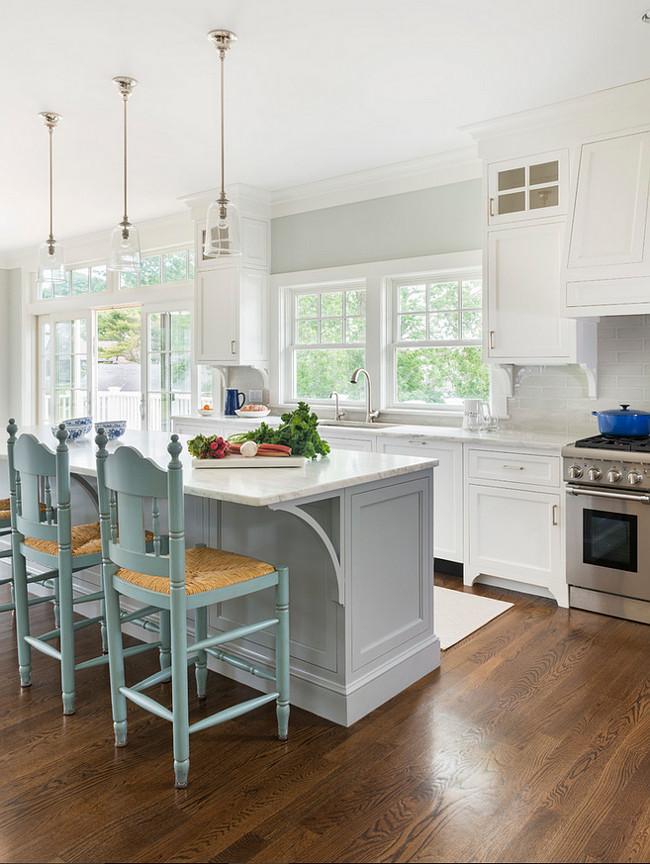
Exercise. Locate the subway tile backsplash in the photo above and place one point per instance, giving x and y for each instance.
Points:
(555, 398)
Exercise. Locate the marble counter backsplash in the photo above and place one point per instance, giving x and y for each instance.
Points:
(555, 398)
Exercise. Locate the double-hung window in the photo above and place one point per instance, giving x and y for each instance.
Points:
(437, 337)
(327, 327)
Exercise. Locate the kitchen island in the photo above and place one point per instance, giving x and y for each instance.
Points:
(354, 529)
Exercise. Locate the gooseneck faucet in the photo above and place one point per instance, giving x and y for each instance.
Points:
(370, 414)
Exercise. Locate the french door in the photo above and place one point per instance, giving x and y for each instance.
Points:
(124, 363)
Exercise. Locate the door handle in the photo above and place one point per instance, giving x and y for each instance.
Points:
(233, 342)
(491, 206)
(491, 338)
(555, 514)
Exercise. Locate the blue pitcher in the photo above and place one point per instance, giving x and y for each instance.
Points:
(233, 403)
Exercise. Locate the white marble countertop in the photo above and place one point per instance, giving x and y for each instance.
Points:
(502, 437)
(257, 487)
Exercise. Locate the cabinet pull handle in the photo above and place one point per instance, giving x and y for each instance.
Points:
(417, 441)
(513, 467)
(491, 206)
(232, 346)
(555, 515)
(491, 338)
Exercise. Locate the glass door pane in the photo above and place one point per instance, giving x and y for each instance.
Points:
(71, 384)
(169, 378)
(119, 368)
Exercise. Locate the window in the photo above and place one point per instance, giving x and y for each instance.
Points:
(169, 372)
(112, 348)
(161, 269)
(81, 280)
(328, 337)
(437, 341)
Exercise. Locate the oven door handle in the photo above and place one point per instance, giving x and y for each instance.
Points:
(598, 493)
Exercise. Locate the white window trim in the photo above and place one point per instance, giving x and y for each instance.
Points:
(392, 286)
(377, 275)
(290, 293)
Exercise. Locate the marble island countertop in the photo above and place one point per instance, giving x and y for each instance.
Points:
(257, 487)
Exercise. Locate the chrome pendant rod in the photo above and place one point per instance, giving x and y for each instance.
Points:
(51, 120)
(125, 85)
(222, 40)
(124, 99)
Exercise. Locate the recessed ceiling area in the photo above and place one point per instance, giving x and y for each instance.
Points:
(314, 90)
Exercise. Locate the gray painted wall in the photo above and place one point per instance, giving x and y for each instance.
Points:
(426, 222)
(10, 345)
(5, 346)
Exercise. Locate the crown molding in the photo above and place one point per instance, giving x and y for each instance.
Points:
(623, 107)
(440, 169)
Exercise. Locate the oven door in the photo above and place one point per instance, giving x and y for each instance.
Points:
(608, 541)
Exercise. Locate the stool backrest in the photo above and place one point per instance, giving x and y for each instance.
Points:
(32, 467)
(130, 488)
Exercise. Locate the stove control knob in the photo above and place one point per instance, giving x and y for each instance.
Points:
(614, 475)
(595, 474)
(574, 472)
(634, 479)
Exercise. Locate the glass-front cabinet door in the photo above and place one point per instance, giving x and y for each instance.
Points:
(528, 188)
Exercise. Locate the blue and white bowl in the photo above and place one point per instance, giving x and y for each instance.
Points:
(76, 427)
(112, 428)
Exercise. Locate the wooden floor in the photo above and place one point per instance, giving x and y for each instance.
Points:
(531, 743)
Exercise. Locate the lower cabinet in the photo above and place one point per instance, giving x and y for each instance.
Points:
(340, 441)
(447, 489)
(513, 514)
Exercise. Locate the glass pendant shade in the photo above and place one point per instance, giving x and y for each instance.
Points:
(222, 230)
(124, 252)
(51, 267)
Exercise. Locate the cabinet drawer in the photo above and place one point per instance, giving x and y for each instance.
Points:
(522, 468)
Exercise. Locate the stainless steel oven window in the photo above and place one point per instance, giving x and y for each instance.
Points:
(610, 540)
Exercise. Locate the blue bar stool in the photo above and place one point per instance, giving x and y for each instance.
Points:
(178, 579)
(42, 532)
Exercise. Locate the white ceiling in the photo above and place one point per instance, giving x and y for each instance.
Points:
(314, 89)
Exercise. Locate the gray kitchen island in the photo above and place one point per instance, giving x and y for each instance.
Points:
(355, 529)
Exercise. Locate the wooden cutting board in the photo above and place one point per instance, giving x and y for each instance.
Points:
(236, 460)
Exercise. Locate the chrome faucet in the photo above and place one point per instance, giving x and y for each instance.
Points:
(338, 415)
(370, 414)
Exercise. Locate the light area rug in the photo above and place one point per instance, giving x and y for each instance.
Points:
(456, 614)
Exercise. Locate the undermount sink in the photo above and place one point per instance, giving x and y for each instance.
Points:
(354, 424)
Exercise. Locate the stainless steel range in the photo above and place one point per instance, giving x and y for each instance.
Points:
(608, 525)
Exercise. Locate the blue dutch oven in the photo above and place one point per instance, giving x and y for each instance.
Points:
(623, 422)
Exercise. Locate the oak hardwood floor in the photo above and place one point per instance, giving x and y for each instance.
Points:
(530, 744)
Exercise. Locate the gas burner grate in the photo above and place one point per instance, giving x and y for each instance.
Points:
(608, 442)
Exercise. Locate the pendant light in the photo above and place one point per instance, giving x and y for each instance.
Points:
(124, 253)
(222, 230)
(50, 254)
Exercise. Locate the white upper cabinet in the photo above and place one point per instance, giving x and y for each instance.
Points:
(523, 297)
(607, 257)
(231, 294)
(521, 189)
(230, 315)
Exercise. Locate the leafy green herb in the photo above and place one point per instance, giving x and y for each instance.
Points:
(298, 430)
